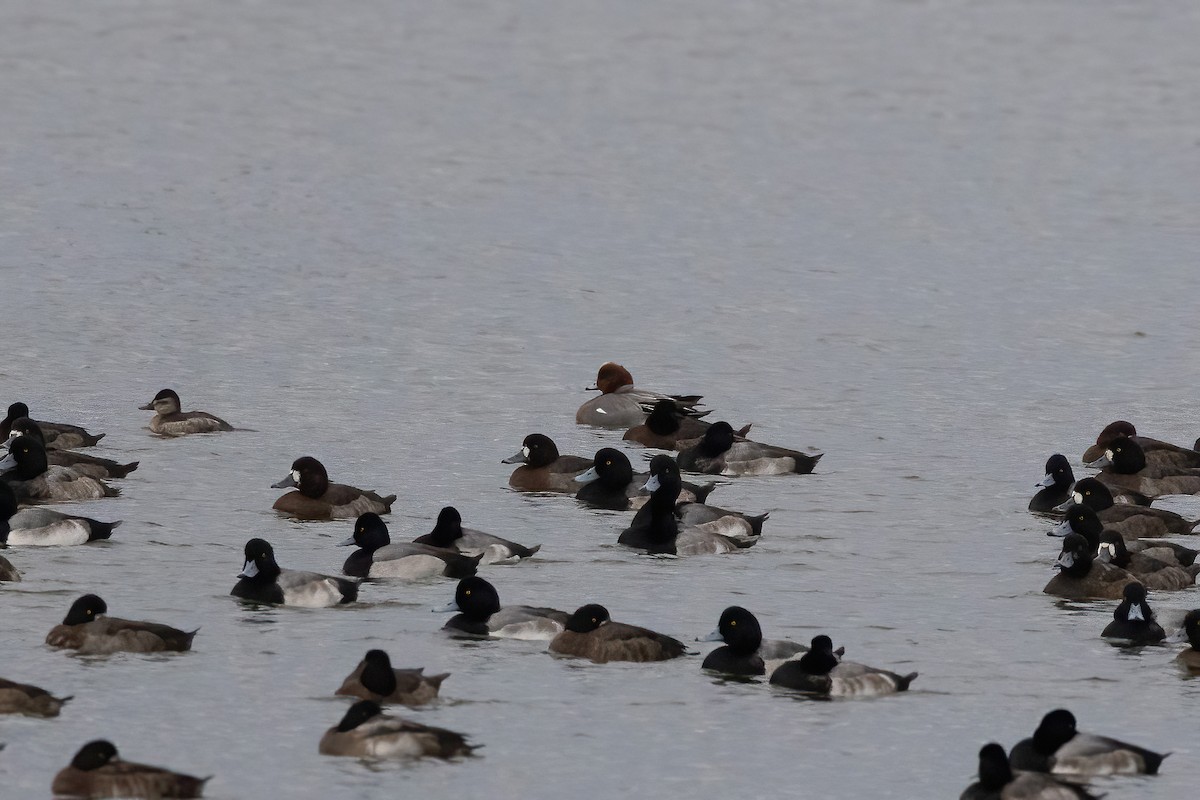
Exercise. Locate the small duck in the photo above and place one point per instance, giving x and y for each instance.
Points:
(669, 427)
(449, 533)
(480, 614)
(316, 498)
(1156, 567)
(1057, 747)
(612, 484)
(35, 481)
(656, 530)
(820, 672)
(169, 420)
(84, 464)
(1131, 521)
(1125, 470)
(377, 557)
(1081, 577)
(1163, 453)
(590, 633)
(264, 581)
(997, 781)
(21, 698)
(1189, 658)
(59, 436)
(366, 732)
(544, 470)
(97, 771)
(697, 512)
(88, 630)
(43, 527)
(1055, 487)
(621, 403)
(1133, 621)
(376, 680)
(719, 453)
(746, 652)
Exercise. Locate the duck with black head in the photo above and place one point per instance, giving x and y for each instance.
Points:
(43, 527)
(1133, 621)
(1189, 658)
(316, 498)
(1157, 451)
(1055, 487)
(262, 580)
(97, 771)
(612, 484)
(377, 680)
(745, 652)
(89, 630)
(720, 453)
(542, 468)
(998, 781)
(480, 614)
(1154, 564)
(58, 435)
(822, 673)
(621, 404)
(170, 420)
(82, 463)
(664, 471)
(1058, 747)
(590, 633)
(1123, 468)
(1081, 577)
(366, 732)
(669, 427)
(378, 557)
(450, 534)
(1130, 520)
(33, 480)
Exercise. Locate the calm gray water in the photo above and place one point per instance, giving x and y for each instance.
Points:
(938, 240)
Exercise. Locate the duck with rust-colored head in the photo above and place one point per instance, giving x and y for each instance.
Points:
(621, 404)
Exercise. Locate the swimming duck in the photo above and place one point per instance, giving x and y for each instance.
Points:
(35, 481)
(1133, 621)
(375, 679)
(611, 483)
(745, 651)
(84, 464)
(656, 530)
(668, 427)
(1056, 746)
(1164, 453)
(21, 698)
(1056, 486)
(543, 469)
(317, 498)
(621, 403)
(97, 771)
(1124, 470)
(58, 435)
(366, 732)
(450, 534)
(997, 781)
(820, 672)
(1156, 567)
(718, 453)
(697, 512)
(590, 633)
(88, 629)
(377, 557)
(43, 527)
(1131, 521)
(169, 420)
(1081, 577)
(1190, 657)
(480, 614)
(264, 581)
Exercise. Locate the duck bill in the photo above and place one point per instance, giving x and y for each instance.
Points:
(1061, 529)
(587, 477)
(250, 570)
(715, 636)
(652, 484)
(1102, 461)
(519, 457)
(1045, 483)
(1075, 499)
(148, 407)
(451, 608)
(287, 483)
(346, 542)
(1065, 561)
(8, 462)
(1178, 637)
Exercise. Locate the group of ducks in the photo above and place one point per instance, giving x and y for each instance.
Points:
(1114, 549)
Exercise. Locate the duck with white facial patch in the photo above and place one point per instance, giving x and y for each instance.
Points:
(1082, 577)
(1132, 521)
(1146, 565)
(262, 580)
(1124, 468)
(542, 468)
(316, 498)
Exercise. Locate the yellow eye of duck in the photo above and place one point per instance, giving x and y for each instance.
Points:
(733, 623)
(608, 463)
(467, 593)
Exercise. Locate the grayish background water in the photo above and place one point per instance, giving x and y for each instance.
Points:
(938, 240)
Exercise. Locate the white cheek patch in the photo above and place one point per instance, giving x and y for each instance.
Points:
(1076, 497)
(525, 452)
(601, 411)
(1108, 454)
(1107, 551)
(296, 475)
